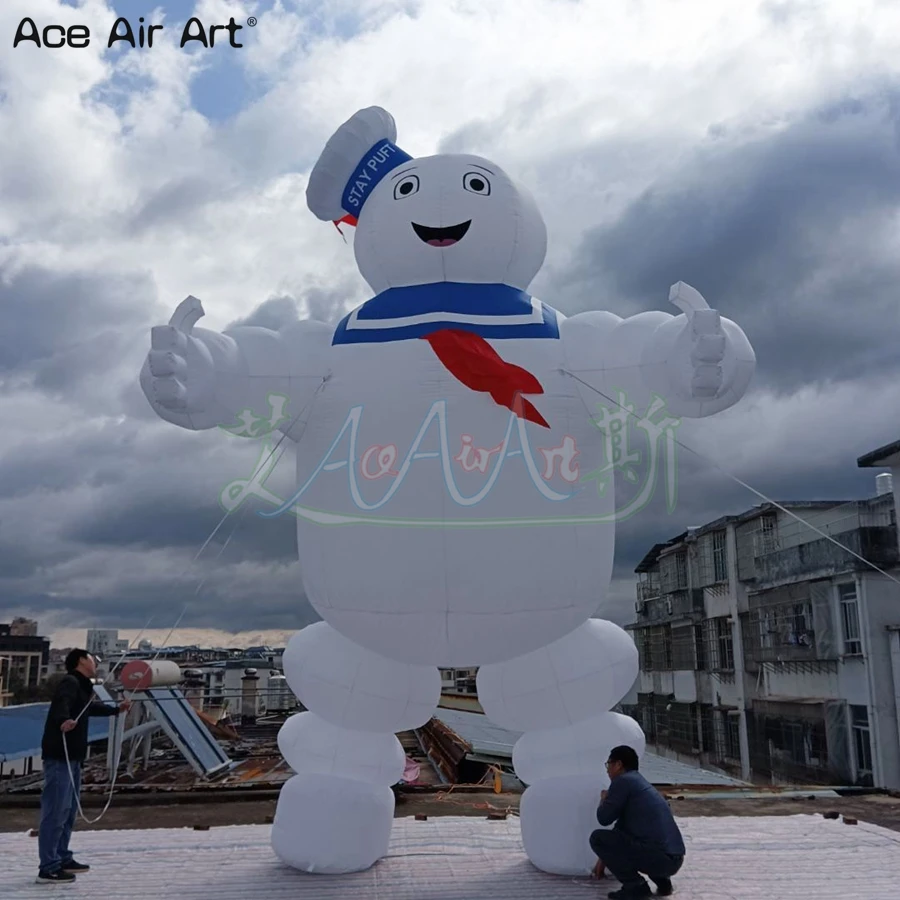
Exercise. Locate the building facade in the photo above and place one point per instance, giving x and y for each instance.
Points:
(5, 692)
(219, 688)
(459, 681)
(22, 627)
(24, 657)
(104, 643)
(766, 644)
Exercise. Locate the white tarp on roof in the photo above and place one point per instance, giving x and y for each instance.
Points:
(729, 858)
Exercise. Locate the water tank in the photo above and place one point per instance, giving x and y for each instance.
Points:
(143, 674)
(884, 483)
(280, 695)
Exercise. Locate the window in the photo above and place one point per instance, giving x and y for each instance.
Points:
(708, 729)
(732, 737)
(724, 644)
(862, 745)
(850, 619)
(644, 649)
(683, 728)
(700, 644)
(680, 570)
(661, 648)
(683, 657)
(767, 629)
(815, 745)
(647, 716)
(720, 556)
(673, 572)
(767, 536)
(800, 634)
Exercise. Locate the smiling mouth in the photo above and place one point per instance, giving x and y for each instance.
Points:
(442, 237)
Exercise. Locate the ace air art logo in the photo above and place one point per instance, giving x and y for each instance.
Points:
(77, 37)
(641, 447)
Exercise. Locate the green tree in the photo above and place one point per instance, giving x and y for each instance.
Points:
(33, 693)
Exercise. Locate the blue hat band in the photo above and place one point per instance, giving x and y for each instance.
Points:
(381, 159)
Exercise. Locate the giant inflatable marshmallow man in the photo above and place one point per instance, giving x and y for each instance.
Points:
(438, 430)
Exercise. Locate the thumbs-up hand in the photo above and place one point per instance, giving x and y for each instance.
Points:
(708, 340)
(179, 372)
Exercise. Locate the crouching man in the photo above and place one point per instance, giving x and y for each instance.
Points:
(645, 837)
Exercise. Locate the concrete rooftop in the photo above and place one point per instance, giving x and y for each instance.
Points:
(787, 858)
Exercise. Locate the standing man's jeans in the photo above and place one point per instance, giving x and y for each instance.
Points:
(59, 806)
(625, 858)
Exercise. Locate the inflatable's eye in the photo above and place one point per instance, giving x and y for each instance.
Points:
(406, 187)
(477, 183)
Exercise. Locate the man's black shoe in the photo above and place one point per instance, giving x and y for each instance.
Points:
(663, 887)
(632, 892)
(57, 877)
(73, 866)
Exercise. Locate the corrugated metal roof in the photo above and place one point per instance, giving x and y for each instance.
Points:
(476, 729)
(489, 739)
(22, 727)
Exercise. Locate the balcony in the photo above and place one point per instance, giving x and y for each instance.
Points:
(788, 648)
(822, 558)
(647, 590)
(685, 603)
(798, 655)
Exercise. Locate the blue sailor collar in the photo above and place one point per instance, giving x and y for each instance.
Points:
(494, 311)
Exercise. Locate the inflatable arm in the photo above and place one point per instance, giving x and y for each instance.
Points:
(699, 363)
(200, 379)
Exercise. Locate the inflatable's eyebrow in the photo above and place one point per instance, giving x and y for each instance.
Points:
(483, 168)
(403, 172)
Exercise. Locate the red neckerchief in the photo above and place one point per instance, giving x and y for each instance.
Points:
(474, 362)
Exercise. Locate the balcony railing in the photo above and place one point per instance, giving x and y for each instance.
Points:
(876, 544)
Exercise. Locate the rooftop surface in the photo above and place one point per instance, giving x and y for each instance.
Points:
(489, 739)
(467, 859)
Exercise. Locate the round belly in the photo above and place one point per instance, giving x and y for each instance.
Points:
(437, 527)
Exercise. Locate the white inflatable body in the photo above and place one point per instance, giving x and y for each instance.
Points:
(441, 430)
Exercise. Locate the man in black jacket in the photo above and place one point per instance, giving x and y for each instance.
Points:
(645, 838)
(66, 734)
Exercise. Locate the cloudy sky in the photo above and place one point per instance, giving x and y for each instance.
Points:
(748, 148)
